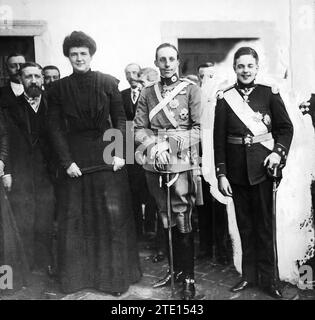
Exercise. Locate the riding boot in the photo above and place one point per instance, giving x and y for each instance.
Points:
(186, 251)
(166, 280)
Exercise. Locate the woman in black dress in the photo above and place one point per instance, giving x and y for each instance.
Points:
(96, 234)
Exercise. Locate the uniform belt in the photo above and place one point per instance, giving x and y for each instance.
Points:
(160, 131)
(248, 139)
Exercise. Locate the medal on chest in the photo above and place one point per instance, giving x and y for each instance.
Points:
(246, 92)
(183, 114)
(174, 104)
(257, 117)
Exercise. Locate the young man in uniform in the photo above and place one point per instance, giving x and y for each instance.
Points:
(252, 135)
(167, 125)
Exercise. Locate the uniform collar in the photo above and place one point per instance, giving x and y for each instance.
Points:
(169, 81)
(241, 85)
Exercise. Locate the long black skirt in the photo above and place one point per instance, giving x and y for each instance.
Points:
(12, 251)
(97, 245)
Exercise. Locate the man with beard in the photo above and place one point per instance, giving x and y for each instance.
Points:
(28, 184)
(51, 74)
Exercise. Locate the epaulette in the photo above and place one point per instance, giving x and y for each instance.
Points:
(274, 88)
(150, 84)
(220, 92)
(187, 80)
(228, 88)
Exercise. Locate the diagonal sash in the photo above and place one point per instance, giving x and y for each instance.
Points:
(246, 114)
(163, 102)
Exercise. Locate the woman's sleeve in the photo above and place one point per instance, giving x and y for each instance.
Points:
(57, 127)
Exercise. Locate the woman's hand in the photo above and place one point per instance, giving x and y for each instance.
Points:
(7, 182)
(118, 163)
(74, 171)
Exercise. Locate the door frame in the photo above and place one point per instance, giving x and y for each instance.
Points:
(265, 31)
(31, 28)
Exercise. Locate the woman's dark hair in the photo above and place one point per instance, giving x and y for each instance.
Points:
(245, 51)
(78, 39)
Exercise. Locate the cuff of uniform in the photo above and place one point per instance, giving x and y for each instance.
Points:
(220, 169)
(304, 107)
(281, 150)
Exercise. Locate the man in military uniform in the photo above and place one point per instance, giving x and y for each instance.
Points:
(252, 134)
(167, 125)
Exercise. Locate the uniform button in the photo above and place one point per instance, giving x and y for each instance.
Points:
(279, 149)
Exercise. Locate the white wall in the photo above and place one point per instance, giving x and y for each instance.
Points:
(129, 31)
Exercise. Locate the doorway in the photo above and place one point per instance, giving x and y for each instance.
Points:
(194, 52)
(24, 45)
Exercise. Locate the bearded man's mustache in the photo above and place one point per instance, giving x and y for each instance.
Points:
(34, 91)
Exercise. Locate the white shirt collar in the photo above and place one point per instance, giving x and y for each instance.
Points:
(17, 88)
(33, 102)
(137, 91)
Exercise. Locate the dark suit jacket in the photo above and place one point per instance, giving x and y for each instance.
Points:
(7, 96)
(26, 133)
(129, 106)
(243, 165)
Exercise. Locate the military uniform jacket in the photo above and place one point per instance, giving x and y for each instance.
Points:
(183, 129)
(309, 108)
(241, 163)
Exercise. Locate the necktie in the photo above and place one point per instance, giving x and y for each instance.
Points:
(134, 96)
(34, 102)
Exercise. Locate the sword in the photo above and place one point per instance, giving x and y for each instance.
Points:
(169, 224)
(275, 176)
(214, 256)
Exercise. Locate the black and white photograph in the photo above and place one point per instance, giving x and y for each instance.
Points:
(157, 151)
